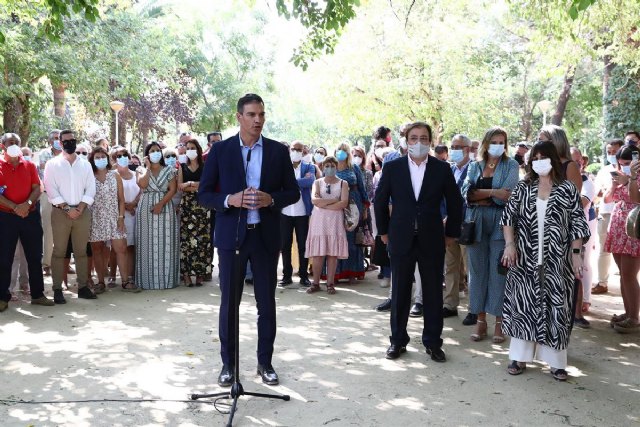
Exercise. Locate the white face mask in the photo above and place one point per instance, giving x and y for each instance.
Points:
(318, 157)
(403, 143)
(182, 158)
(541, 167)
(296, 156)
(14, 150)
(418, 150)
(379, 152)
(307, 158)
(496, 150)
(192, 154)
(472, 156)
(357, 160)
(626, 170)
(612, 159)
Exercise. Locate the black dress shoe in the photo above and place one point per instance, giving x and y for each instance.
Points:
(437, 355)
(385, 306)
(416, 310)
(305, 282)
(471, 319)
(285, 281)
(268, 375)
(58, 297)
(86, 293)
(446, 312)
(225, 379)
(248, 281)
(394, 351)
(380, 276)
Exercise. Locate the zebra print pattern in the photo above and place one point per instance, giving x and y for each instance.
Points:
(535, 311)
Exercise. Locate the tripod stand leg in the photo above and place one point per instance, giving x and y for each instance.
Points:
(284, 397)
(232, 411)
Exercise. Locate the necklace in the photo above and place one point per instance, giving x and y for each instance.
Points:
(492, 165)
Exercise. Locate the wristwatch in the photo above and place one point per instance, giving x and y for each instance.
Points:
(576, 250)
(29, 202)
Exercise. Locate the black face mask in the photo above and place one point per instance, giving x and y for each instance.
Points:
(133, 167)
(69, 146)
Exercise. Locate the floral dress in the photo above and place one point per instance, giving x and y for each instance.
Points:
(195, 230)
(105, 211)
(617, 241)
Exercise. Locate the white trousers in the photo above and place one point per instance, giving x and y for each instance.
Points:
(526, 351)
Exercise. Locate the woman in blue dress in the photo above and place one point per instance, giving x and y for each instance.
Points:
(353, 267)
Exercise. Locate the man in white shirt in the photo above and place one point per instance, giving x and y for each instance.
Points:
(71, 187)
(296, 217)
(46, 154)
(603, 181)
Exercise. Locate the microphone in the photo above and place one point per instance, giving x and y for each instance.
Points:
(249, 155)
(242, 203)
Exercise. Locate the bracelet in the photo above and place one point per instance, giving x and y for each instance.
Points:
(120, 216)
(509, 244)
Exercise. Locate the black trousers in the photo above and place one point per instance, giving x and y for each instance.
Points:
(431, 272)
(29, 231)
(301, 226)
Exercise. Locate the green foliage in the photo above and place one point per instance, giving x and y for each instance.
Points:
(622, 101)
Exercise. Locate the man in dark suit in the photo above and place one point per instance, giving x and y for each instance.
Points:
(248, 179)
(414, 232)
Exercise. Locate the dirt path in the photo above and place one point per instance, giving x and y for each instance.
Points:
(329, 355)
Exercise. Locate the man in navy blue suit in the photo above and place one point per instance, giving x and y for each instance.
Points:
(414, 232)
(248, 179)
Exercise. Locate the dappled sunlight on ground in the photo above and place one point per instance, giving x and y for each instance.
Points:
(329, 354)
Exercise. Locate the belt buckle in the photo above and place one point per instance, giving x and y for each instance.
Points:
(252, 226)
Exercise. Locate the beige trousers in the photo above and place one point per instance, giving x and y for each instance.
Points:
(45, 213)
(454, 273)
(78, 229)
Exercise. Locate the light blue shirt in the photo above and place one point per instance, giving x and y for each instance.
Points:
(254, 169)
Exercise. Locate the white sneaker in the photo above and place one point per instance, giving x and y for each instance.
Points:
(385, 283)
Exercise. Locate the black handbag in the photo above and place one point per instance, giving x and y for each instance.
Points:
(379, 255)
(467, 233)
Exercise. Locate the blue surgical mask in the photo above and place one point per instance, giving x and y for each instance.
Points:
(27, 158)
(341, 155)
(626, 170)
(329, 171)
(155, 156)
(101, 163)
(170, 161)
(456, 156)
(496, 150)
(57, 145)
(123, 162)
(611, 158)
(418, 150)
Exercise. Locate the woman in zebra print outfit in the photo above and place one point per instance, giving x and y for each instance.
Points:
(544, 229)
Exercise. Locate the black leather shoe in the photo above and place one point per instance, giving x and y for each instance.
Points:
(385, 306)
(471, 319)
(268, 375)
(394, 351)
(446, 312)
(285, 281)
(248, 281)
(380, 276)
(437, 355)
(86, 293)
(225, 379)
(58, 297)
(305, 282)
(416, 310)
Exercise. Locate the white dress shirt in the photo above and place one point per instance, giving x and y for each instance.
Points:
(69, 183)
(417, 174)
(296, 209)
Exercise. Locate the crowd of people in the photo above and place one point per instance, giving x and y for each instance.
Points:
(515, 232)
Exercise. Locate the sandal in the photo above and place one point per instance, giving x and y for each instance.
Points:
(199, 281)
(315, 287)
(129, 286)
(187, 281)
(559, 374)
(627, 326)
(516, 368)
(498, 339)
(331, 289)
(112, 282)
(479, 336)
(98, 288)
(616, 318)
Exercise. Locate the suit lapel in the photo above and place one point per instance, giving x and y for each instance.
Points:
(236, 155)
(406, 177)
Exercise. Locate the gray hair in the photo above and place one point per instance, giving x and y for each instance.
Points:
(52, 132)
(460, 137)
(10, 135)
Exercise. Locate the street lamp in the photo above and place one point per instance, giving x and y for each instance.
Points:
(544, 106)
(117, 106)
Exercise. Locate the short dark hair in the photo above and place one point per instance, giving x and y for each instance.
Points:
(616, 141)
(548, 150)
(441, 149)
(93, 153)
(210, 134)
(625, 153)
(249, 98)
(412, 126)
(148, 148)
(381, 133)
(66, 132)
(632, 132)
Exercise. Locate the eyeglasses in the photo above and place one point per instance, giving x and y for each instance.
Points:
(119, 156)
(81, 153)
(170, 155)
(458, 147)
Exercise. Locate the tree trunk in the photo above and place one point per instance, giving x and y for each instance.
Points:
(59, 99)
(25, 124)
(11, 115)
(563, 99)
(609, 66)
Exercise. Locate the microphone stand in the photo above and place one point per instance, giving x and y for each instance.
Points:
(234, 304)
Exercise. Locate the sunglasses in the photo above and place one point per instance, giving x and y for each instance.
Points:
(170, 155)
(81, 153)
(119, 156)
